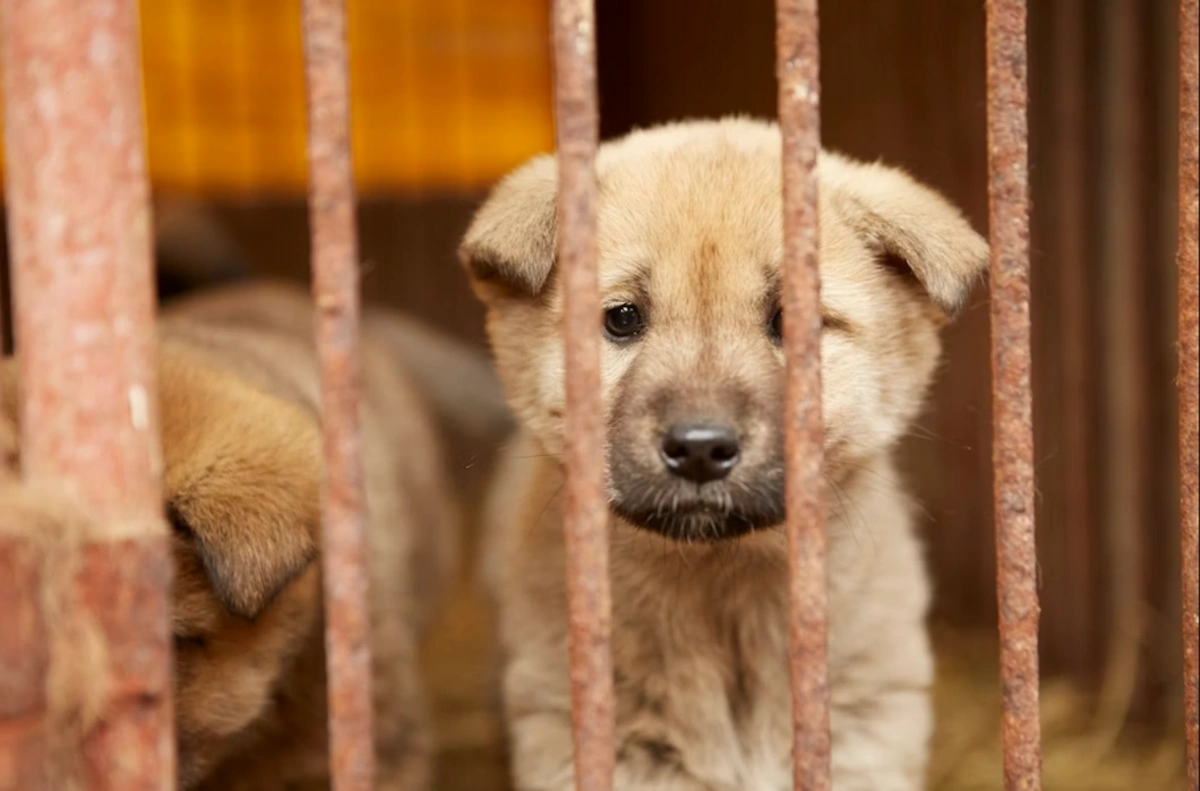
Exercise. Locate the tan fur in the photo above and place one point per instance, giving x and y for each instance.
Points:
(690, 232)
(52, 528)
(242, 461)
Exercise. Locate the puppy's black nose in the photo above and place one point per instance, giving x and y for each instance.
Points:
(700, 452)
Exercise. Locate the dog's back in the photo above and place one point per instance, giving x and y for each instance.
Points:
(262, 334)
(239, 408)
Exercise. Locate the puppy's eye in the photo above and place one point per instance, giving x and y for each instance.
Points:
(194, 642)
(623, 322)
(776, 325)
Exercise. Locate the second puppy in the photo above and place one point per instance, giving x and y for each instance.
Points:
(239, 412)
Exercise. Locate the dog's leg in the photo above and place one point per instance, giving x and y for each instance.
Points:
(540, 742)
(883, 747)
(542, 753)
(403, 737)
(882, 717)
(652, 765)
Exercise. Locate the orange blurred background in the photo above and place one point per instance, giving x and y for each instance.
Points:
(446, 95)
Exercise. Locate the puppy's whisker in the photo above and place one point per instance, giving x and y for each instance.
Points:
(842, 512)
(892, 483)
(532, 528)
(924, 432)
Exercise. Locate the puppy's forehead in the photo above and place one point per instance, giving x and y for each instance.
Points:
(695, 225)
(696, 229)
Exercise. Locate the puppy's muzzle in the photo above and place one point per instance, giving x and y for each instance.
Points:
(700, 452)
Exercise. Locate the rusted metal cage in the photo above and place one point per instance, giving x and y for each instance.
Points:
(79, 217)
(80, 223)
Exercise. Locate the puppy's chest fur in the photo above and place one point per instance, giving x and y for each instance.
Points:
(700, 650)
(700, 644)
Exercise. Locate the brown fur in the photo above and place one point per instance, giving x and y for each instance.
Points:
(690, 233)
(242, 464)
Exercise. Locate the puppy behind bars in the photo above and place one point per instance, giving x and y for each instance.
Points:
(690, 245)
(238, 396)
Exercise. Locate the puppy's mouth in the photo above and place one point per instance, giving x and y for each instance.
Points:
(706, 514)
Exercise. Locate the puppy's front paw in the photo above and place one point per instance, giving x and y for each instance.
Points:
(876, 781)
(651, 764)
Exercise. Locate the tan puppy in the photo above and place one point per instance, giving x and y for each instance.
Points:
(241, 444)
(690, 246)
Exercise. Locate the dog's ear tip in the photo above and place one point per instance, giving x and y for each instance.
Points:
(950, 303)
(918, 229)
(252, 540)
(239, 601)
(494, 274)
(479, 261)
(246, 584)
(508, 249)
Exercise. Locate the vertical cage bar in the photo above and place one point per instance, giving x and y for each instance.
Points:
(335, 283)
(589, 599)
(797, 66)
(1012, 399)
(84, 309)
(1189, 376)
(79, 229)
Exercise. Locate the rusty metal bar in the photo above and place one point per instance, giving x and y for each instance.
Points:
(84, 309)
(589, 598)
(335, 275)
(1189, 376)
(1012, 399)
(79, 232)
(797, 65)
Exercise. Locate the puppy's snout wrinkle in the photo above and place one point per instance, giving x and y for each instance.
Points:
(700, 452)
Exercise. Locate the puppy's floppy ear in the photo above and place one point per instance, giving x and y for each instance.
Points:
(242, 479)
(252, 545)
(910, 226)
(509, 248)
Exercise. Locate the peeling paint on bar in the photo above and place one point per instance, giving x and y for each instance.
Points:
(798, 56)
(1189, 376)
(335, 272)
(1012, 398)
(79, 228)
(589, 597)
